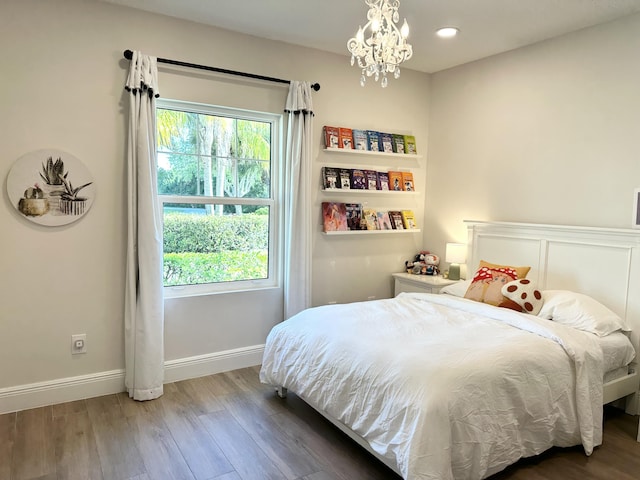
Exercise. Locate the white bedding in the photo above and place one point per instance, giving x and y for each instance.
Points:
(617, 351)
(440, 387)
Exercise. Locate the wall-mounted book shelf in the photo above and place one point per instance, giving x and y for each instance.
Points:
(371, 232)
(343, 213)
(355, 191)
(353, 151)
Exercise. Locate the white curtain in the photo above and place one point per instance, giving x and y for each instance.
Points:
(144, 306)
(297, 281)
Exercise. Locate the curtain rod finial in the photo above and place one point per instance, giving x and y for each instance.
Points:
(315, 86)
(128, 54)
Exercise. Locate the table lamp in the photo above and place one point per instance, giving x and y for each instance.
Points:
(456, 253)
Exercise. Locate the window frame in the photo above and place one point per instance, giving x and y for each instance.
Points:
(274, 201)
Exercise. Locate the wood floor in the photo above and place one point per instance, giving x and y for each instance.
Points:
(230, 427)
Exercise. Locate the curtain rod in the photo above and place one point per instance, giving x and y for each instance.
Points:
(128, 54)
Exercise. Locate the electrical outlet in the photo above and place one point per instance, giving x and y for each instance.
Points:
(78, 343)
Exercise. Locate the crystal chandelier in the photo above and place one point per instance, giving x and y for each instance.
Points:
(386, 47)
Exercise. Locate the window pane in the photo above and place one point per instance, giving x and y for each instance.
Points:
(176, 131)
(248, 179)
(215, 243)
(184, 174)
(253, 140)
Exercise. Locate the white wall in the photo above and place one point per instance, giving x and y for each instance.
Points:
(62, 87)
(547, 133)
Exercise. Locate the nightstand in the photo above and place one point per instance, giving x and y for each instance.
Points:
(407, 282)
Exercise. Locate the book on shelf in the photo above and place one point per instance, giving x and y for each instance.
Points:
(373, 141)
(384, 222)
(330, 177)
(334, 217)
(358, 179)
(396, 220)
(386, 142)
(345, 138)
(372, 179)
(408, 220)
(331, 136)
(410, 144)
(354, 216)
(344, 175)
(359, 139)
(370, 218)
(395, 181)
(407, 182)
(383, 181)
(398, 143)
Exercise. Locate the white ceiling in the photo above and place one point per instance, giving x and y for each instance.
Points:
(486, 27)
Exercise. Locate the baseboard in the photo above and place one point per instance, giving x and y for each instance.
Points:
(211, 363)
(23, 397)
(60, 390)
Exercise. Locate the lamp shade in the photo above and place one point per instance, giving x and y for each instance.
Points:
(456, 253)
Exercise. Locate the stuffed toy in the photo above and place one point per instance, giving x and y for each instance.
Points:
(432, 261)
(424, 263)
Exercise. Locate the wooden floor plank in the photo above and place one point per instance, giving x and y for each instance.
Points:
(7, 439)
(104, 406)
(61, 409)
(75, 448)
(243, 379)
(160, 454)
(33, 450)
(251, 375)
(220, 385)
(224, 384)
(200, 451)
(247, 458)
(201, 398)
(115, 440)
(290, 457)
(132, 408)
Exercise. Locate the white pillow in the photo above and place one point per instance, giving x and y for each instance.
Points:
(458, 289)
(580, 311)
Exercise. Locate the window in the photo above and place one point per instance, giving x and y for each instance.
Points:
(218, 185)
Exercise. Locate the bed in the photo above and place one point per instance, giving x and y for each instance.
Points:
(444, 387)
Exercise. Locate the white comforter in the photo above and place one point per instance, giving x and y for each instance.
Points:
(442, 387)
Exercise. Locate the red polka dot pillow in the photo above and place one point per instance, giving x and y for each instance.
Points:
(524, 293)
(486, 285)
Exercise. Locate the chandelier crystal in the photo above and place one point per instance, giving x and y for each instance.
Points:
(385, 46)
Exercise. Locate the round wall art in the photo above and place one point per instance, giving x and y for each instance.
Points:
(50, 187)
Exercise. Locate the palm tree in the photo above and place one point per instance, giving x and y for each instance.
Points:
(222, 130)
(253, 149)
(177, 140)
(186, 132)
(241, 148)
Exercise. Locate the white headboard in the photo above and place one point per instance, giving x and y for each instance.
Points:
(601, 262)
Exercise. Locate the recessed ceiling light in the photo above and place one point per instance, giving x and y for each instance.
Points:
(447, 32)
